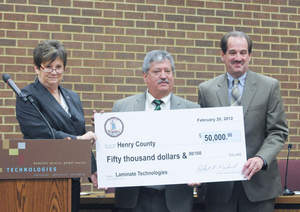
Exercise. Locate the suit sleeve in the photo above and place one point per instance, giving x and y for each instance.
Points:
(93, 163)
(116, 107)
(201, 96)
(276, 126)
(32, 124)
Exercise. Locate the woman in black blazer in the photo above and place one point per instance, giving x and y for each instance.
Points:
(61, 107)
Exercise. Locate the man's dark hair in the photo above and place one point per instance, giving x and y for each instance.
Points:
(225, 38)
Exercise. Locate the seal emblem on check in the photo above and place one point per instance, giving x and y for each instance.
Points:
(114, 127)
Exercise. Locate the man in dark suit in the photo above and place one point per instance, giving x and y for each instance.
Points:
(265, 129)
(158, 69)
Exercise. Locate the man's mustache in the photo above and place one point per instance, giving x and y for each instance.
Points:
(163, 80)
(237, 62)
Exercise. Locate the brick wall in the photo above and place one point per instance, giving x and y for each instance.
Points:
(107, 41)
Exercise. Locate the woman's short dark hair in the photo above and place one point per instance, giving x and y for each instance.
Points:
(224, 40)
(48, 51)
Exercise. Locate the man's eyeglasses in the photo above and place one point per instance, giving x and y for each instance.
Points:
(59, 69)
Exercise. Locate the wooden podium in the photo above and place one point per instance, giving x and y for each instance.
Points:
(36, 175)
(35, 195)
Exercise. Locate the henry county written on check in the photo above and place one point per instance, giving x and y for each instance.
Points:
(170, 146)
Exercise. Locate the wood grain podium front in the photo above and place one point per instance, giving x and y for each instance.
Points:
(35, 195)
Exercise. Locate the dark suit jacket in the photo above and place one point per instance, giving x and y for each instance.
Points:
(265, 132)
(33, 126)
(178, 197)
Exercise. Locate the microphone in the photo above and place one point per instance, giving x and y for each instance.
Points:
(6, 78)
(287, 192)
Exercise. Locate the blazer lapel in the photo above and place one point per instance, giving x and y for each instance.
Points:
(249, 91)
(174, 104)
(72, 119)
(69, 102)
(56, 109)
(222, 91)
(140, 102)
(48, 99)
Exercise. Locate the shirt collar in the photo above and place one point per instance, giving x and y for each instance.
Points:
(165, 99)
(242, 79)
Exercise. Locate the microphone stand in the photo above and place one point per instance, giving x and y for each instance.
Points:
(25, 98)
(287, 192)
(41, 114)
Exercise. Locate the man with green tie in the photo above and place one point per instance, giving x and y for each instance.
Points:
(158, 71)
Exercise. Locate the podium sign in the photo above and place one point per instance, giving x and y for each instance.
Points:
(32, 158)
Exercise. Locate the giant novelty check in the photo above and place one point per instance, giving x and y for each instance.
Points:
(170, 146)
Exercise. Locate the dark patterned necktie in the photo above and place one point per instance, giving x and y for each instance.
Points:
(235, 93)
(157, 103)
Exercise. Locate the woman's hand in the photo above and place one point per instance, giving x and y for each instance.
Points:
(94, 180)
(88, 136)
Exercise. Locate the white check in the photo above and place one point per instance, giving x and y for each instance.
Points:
(170, 146)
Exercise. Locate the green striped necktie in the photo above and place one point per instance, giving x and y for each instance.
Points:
(157, 103)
